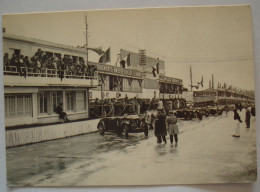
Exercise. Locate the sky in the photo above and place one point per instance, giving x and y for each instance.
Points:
(212, 40)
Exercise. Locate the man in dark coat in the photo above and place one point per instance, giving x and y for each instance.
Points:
(253, 110)
(248, 117)
(62, 114)
(160, 126)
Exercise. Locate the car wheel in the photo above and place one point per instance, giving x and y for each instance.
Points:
(101, 128)
(125, 130)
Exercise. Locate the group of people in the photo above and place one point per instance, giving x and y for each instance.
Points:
(238, 120)
(164, 123)
(44, 60)
(137, 105)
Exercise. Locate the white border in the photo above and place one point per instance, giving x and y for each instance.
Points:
(27, 6)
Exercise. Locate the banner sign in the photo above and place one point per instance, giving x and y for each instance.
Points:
(170, 80)
(118, 70)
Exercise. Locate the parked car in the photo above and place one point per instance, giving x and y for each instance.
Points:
(216, 111)
(186, 113)
(122, 125)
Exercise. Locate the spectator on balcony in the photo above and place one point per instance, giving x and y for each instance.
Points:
(44, 61)
(14, 60)
(83, 66)
(34, 63)
(6, 60)
(21, 68)
(58, 62)
(39, 54)
(65, 62)
(38, 65)
(93, 69)
(27, 63)
(53, 62)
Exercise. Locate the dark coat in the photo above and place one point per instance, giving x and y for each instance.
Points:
(248, 115)
(160, 124)
(253, 111)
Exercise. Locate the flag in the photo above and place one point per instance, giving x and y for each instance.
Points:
(212, 81)
(128, 60)
(125, 62)
(107, 55)
(153, 71)
(102, 58)
(225, 85)
(157, 67)
(97, 50)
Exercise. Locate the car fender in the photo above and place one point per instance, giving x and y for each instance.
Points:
(103, 123)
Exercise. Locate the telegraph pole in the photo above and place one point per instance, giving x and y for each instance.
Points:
(190, 78)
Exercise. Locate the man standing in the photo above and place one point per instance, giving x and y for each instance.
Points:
(237, 126)
(173, 129)
(248, 117)
(160, 126)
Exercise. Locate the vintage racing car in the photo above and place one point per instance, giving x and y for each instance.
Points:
(122, 125)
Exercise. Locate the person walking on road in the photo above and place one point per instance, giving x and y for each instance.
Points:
(248, 117)
(237, 126)
(160, 126)
(172, 126)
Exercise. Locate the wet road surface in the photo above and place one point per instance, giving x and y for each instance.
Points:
(207, 153)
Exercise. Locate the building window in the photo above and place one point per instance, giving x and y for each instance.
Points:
(48, 101)
(18, 106)
(57, 98)
(43, 102)
(70, 98)
(80, 101)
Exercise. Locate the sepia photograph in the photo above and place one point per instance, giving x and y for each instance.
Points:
(130, 97)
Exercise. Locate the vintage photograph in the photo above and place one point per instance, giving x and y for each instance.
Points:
(148, 96)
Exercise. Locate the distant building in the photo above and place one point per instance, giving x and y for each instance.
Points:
(220, 96)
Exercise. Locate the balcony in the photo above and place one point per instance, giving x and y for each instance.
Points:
(23, 76)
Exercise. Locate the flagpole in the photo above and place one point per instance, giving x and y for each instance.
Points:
(86, 23)
(212, 81)
(190, 79)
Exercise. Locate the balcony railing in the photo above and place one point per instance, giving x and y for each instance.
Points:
(52, 73)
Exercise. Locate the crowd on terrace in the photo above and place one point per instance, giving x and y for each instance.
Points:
(66, 65)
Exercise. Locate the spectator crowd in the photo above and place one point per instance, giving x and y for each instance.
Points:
(41, 60)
